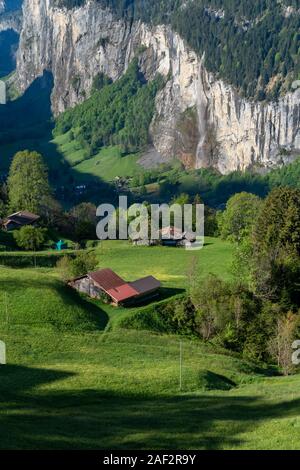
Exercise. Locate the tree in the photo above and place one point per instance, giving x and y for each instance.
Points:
(2, 208)
(52, 213)
(210, 222)
(276, 248)
(278, 224)
(242, 261)
(28, 185)
(84, 216)
(210, 299)
(181, 199)
(100, 81)
(280, 345)
(30, 238)
(237, 221)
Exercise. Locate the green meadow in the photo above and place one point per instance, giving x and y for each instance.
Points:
(75, 380)
(107, 164)
(169, 265)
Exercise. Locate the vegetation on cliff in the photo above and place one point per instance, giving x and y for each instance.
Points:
(252, 45)
(117, 113)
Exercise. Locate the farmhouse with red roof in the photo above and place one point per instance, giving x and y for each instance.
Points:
(107, 284)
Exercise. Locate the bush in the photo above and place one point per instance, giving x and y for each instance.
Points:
(64, 267)
(168, 316)
(30, 238)
(80, 265)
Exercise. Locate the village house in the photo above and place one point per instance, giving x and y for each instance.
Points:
(108, 286)
(168, 236)
(172, 236)
(18, 220)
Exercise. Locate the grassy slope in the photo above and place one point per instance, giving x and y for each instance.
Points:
(36, 298)
(169, 265)
(119, 389)
(107, 164)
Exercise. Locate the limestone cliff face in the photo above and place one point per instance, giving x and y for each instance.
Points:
(199, 119)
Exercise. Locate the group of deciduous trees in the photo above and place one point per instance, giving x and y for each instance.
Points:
(258, 313)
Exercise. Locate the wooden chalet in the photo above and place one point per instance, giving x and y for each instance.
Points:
(18, 220)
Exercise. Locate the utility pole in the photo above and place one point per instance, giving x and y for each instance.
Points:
(180, 367)
(6, 308)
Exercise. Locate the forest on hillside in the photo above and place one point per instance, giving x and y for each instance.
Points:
(254, 46)
(116, 113)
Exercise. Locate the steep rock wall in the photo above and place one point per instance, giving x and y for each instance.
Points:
(198, 119)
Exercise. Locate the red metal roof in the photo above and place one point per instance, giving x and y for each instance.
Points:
(124, 292)
(107, 279)
(120, 290)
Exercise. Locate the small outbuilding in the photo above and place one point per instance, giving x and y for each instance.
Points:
(108, 286)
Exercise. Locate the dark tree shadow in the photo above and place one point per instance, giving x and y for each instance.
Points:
(20, 379)
(94, 419)
(166, 293)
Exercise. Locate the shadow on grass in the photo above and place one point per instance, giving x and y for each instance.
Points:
(94, 419)
(18, 379)
(164, 293)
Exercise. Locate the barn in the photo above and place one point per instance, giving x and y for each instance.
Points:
(108, 286)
